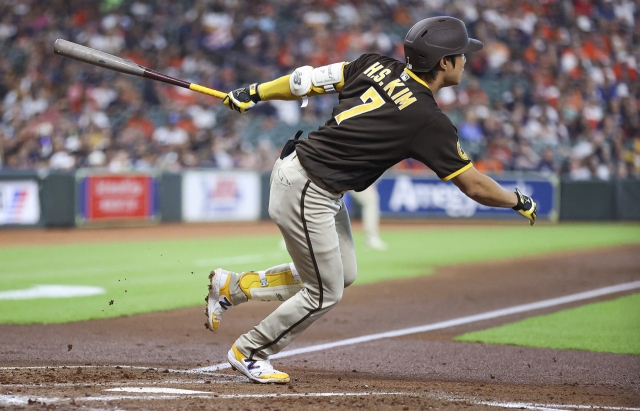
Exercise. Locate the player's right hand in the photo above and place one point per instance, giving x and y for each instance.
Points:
(526, 207)
(242, 99)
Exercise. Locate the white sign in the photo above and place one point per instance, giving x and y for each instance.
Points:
(220, 196)
(19, 202)
(412, 196)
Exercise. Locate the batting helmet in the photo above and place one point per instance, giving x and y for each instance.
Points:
(431, 39)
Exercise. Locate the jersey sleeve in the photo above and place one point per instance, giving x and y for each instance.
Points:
(356, 66)
(437, 146)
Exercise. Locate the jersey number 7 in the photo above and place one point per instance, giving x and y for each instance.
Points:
(371, 99)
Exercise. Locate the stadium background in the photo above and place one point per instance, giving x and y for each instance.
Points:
(555, 89)
(552, 100)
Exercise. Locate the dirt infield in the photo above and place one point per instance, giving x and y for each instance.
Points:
(148, 361)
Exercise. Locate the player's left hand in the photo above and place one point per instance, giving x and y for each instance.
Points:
(526, 207)
(242, 99)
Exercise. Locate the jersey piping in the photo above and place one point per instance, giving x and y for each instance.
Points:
(416, 78)
(457, 173)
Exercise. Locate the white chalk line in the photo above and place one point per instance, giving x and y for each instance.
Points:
(229, 380)
(157, 390)
(550, 407)
(172, 393)
(22, 399)
(444, 324)
(73, 367)
(526, 405)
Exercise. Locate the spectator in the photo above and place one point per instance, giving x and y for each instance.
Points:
(556, 75)
(546, 165)
(171, 134)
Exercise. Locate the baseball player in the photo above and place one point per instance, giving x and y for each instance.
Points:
(369, 200)
(386, 113)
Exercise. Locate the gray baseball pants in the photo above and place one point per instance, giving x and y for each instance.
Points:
(316, 229)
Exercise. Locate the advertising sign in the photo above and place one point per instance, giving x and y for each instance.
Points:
(19, 202)
(408, 196)
(220, 196)
(117, 198)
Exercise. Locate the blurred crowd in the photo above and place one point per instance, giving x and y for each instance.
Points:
(555, 89)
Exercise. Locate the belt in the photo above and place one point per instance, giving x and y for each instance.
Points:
(314, 179)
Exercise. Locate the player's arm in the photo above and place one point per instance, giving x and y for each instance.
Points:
(486, 191)
(303, 82)
(442, 152)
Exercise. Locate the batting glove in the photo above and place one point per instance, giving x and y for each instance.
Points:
(242, 99)
(526, 207)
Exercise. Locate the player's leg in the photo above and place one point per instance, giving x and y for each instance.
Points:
(347, 250)
(278, 283)
(227, 289)
(370, 202)
(306, 216)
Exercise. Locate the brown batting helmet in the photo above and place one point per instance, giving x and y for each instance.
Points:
(431, 39)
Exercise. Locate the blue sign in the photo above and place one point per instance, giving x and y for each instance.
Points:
(406, 196)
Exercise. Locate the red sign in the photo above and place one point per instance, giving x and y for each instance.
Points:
(118, 197)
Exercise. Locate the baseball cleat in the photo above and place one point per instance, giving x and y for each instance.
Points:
(376, 243)
(256, 370)
(219, 298)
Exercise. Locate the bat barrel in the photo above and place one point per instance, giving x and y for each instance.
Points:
(98, 58)
(108, 61)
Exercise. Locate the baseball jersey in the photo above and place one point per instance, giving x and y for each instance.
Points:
(385, 114)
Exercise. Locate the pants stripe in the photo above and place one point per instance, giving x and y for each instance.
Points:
(315, 266)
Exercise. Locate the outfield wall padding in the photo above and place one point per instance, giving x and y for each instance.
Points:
(265, 187)
(58, 199)
(170, 197)
(587, 200)
(628, 200)
(579, 200)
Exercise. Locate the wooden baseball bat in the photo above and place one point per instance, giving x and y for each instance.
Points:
(111, 62)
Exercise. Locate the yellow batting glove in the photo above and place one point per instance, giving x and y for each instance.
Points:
(526, 207)
(242, 99)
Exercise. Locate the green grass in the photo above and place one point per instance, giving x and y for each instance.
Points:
(610, 326)
(163, 275)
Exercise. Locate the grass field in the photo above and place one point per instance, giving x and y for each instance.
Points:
(609, 326)
(161, 275)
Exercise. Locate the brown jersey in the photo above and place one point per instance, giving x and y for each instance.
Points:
(385, 114)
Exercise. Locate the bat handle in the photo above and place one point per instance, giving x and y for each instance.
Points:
(208, 91)
(154, 75)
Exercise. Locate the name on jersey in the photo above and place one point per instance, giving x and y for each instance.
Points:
(395, 88)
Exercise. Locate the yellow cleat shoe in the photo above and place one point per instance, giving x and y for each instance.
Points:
(256, 370)
(219, 299)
